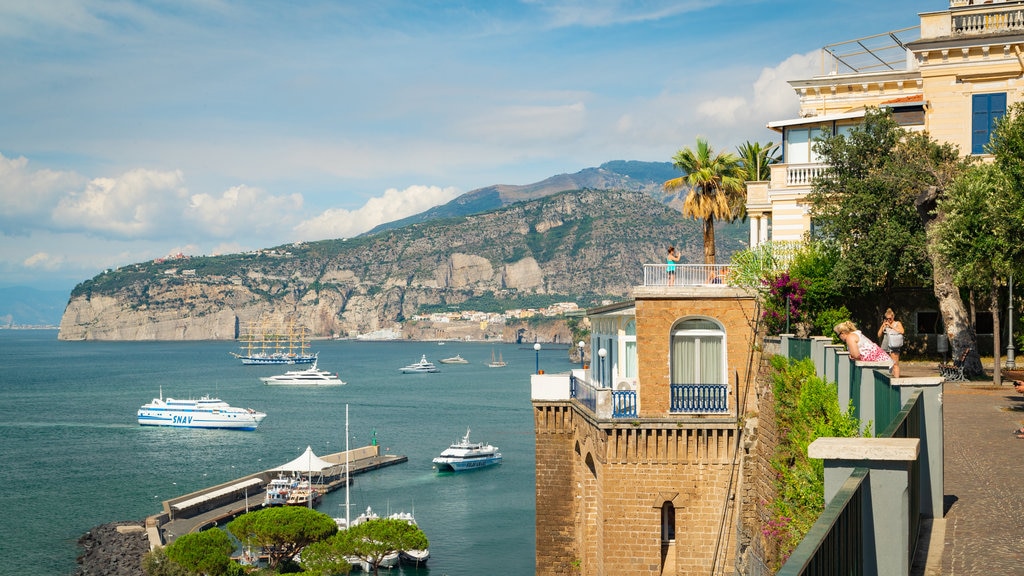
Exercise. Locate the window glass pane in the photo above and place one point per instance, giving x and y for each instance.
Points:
(630, 359)
(697, 324)
(631, 328)
(684, 359)
(815, 134)
(711, 360)
(798, 149)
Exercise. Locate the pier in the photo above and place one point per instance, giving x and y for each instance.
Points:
(208, 507)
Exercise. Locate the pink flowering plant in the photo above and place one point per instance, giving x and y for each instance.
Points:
(782, 292)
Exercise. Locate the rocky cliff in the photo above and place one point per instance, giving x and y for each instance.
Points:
(582, 245)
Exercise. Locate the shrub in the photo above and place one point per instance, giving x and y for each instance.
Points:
(782, 302)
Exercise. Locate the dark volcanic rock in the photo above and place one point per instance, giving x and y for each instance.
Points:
(114, 549)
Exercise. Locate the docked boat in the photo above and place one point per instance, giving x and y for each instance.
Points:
(414, 557)
(499, 363)
(420, 367)
(457, 359)
(205, 412)
(275, 344)
(304, 494)
(278, 490)
(466, 455)
(311, 376)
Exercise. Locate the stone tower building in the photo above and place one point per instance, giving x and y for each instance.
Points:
(639, 456)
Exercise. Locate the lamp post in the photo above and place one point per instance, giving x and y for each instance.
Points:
(1011, 363)
(600, 365)
(536, 352)
(581, 345)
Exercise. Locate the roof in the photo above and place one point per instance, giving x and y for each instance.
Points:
(308, 462)
(907, 102)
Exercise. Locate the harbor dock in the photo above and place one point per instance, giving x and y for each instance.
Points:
(208, 507)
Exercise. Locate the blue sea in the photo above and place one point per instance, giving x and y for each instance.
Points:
(73, 457)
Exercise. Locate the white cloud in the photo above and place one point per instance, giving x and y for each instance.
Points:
(393, 205)
(138, 203)
(27, 195)
(43, 261)
(600, 13)
(524, 124)
(242, 208)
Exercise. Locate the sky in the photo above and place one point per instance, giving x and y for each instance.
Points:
(135, 130)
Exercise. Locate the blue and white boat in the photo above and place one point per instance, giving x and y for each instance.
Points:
(205, 412)
(466, 455)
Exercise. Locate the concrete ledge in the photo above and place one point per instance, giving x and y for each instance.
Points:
(894, 449)
(917, 381)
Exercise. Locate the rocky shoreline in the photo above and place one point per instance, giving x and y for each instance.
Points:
(114, 549)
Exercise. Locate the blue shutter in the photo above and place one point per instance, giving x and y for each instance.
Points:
(985, 110)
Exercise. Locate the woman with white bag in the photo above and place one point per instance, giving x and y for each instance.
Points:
(891, 333)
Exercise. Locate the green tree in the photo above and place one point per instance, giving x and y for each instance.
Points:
(207, 552)
(969, 238)
(757, 158)
(374, 539)
(156, 563)
(716, 188)
(878, 202)
(281, 532)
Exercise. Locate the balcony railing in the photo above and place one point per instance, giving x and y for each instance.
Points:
(803, 174)
(989, 22)
(699, 398)
(686, 274)
(622, 403)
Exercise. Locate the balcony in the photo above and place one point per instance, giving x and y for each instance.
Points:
(699, 399)
(686, 274)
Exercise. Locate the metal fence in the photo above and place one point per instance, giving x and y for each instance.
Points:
(699, 398)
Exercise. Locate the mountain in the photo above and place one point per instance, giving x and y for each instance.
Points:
(22, 306)
(615, 175)
(583, 245)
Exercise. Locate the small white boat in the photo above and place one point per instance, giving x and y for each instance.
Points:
(466, 455)
(457, 359)
(420, 367)
(499, 363)
(311, 376)
(205, 412)
(304, 494)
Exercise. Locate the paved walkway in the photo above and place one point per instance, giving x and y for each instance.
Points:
(982, 532)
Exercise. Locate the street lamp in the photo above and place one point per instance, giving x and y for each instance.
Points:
(581, 345)
(536, 352)
(600, 365)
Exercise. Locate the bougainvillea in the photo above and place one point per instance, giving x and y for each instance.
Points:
(781, 293)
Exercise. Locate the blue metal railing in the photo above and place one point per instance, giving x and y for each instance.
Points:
(624, 404)
(699, 398)
(585, 394)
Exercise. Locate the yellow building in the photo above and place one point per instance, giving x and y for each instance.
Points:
(953, 76)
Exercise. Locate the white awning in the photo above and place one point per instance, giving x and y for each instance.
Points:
(825, 118)
(308, 462)
(185, 504)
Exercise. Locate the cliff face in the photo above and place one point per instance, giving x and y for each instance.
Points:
(570, 246)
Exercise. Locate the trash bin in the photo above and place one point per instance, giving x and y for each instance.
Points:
(942, 345)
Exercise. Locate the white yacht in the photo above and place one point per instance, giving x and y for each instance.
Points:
(457, 359)
(422, 366)
(311, 376)
(466, 455)
(205, 412)
(278, 490)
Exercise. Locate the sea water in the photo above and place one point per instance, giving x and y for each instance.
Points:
(73, 456)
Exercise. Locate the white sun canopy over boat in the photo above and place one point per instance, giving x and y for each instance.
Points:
(308, 462)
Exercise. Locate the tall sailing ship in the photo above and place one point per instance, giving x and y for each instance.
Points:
(275, 344)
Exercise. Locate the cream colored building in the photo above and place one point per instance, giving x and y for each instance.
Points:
(953, 76)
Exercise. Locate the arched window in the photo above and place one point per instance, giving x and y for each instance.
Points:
(698, 352)
(668, 522)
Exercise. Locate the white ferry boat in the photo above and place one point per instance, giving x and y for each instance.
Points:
(311, 376)
(205, 412)
(466, 455)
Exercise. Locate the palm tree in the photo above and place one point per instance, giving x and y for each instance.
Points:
(757, 159)
(716, 183)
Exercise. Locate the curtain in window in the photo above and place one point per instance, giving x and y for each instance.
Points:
(697, 359)
(630, 359)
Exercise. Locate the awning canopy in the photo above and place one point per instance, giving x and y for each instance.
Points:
(308, 462)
